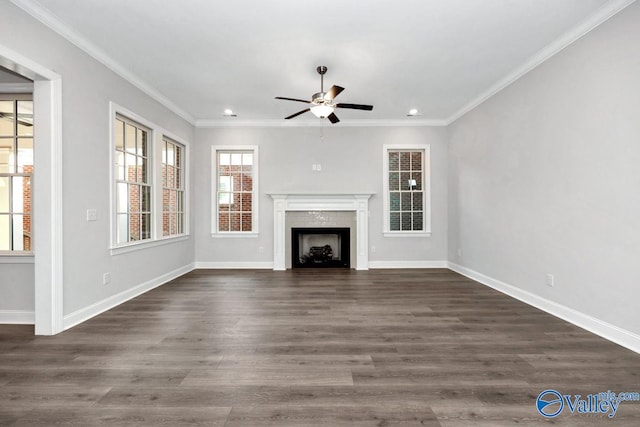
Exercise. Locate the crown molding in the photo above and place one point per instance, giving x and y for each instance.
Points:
(46, 17)
(600, 16)
(281, 123)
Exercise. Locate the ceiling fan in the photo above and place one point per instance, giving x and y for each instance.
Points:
(322, 105)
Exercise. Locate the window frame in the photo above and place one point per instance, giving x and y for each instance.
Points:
(426, 190)
(155, 137)
(149, 183)
(215, 232)
(180, 189)
(13, 253)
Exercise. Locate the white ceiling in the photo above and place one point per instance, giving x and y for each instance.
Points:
(440, 56)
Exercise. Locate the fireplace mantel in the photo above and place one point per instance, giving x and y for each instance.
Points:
(356, 202)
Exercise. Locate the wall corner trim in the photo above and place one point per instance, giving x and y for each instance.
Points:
(86, 313)
(603, 329)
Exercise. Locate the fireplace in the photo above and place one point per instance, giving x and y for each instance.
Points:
(306, 202)
(320, 247)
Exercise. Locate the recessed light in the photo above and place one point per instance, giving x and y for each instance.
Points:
(229, 113)
(413, 112)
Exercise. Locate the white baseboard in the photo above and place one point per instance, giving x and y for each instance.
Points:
(17, 317)
(605, 330)
(408, 264)
(269, 265)
(88, 312)
(230, 265)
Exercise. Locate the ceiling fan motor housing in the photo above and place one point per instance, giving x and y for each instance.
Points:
(319, 98)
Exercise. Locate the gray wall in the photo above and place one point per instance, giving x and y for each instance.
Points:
(88, 86)
(351, 159)
(544, 178)
(17, 286)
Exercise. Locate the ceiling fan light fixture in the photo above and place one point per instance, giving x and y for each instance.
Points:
(321, 104)
(322, 111)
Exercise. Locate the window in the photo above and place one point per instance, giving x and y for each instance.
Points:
(133, 189)
(16, 172)
(406, 190)
(235, 190)
(149, 191)
(172, 188)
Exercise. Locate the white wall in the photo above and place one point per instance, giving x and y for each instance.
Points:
(351, 159)
(545, 178)
(88, 86)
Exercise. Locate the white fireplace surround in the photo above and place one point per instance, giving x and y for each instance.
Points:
(358, 203)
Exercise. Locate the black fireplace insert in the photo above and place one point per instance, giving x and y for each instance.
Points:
(320, 247)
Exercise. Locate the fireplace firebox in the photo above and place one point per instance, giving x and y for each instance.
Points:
(320, 247)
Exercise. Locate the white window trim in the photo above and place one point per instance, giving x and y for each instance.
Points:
(156, 134)
(186, 172)
(426, 201)
(214, 192)
(185, 182)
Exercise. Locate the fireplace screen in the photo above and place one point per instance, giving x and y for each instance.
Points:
(320, 247)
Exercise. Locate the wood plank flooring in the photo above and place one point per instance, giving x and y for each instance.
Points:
(311, 348)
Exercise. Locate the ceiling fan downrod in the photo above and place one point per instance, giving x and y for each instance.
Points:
(322, 71)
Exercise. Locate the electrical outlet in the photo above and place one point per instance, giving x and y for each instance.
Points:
(318, 167)
(459, 252)
(261, 249)
(106, 278)
(314, 167)
(373, 249)
(550, 280)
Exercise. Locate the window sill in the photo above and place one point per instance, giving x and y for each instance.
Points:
(407, 234)
(17, 258)
(232, 235)
(138, 246)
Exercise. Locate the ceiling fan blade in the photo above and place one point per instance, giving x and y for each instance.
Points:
(298, 113)
(355, 106)
(333, 118)
(293, 99)
(333, 92)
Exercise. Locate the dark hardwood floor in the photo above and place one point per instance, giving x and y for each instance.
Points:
(311, 347)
